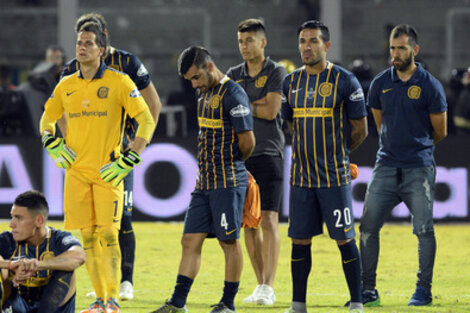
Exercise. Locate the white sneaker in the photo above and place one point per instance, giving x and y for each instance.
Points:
(91, 295)
(266, 295)
(253, 298)
(126, 291)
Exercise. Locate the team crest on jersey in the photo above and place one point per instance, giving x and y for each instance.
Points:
(103, 92)
(261, 81)
(85, 103)
(46, 255)
(414, 92)
(135, 93)
(114, 67)
(325, 89)
(214, 102)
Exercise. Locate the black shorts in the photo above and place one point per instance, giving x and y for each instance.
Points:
(268, 172)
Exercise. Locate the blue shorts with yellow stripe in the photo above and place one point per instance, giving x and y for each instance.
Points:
(310, 207)
(216, 212)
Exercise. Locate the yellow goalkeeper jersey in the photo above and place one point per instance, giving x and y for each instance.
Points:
(95, 111)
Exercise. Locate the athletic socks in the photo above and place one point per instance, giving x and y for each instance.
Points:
(127, 246)
(301, 263)
(230, 291)
(352, 269)
(182, 287)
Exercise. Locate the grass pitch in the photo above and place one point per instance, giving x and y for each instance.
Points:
(159, 251)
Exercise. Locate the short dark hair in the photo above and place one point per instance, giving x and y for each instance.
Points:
(34, 201)
(252, 25)
(314, 24)
(404, 29)
(90, 17)
(100, 37)
(193, 55)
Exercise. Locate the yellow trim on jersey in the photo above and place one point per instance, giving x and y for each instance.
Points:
(333, 130)
(325, 93)
(314, 137)
(305, 132)
(296, 104)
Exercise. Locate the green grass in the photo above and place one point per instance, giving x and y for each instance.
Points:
(158, 254)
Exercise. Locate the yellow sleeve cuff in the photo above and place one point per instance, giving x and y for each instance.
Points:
(47, 124)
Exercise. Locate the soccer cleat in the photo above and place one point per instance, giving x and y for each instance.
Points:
(112, 306)
(169, 308)
(96, 307)
(356, 311)
(126, 291)
(254, 296)
(91, 294)
(370, 298)
(421, 297)
(291, 310)
(221, 308)
(266, 295)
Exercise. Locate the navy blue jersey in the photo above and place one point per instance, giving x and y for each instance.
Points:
(222, 112)
(406, 139)
(128, 63)
(320, 107)
(56, 242)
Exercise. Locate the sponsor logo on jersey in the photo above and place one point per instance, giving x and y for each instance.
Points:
(296, 90)
(414, 92)
(69, 93)
(325, 89)
(261, 81)
(209, 123)
(313, 112)
(135, 93)
(214, 101)
(311, 93)
(240, 111)
(142, 71)
(357, 95)
(102, 92)
(85, 103)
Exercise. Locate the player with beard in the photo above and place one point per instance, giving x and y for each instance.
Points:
(410, 112)
(324, 105)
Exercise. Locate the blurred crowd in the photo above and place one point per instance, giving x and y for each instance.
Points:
(21, 106)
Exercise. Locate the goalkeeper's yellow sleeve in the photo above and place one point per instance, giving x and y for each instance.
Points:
(146, 125)
(47, 124)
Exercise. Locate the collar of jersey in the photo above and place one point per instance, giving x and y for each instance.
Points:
(98, 74)
(245, 67)
(413, 80)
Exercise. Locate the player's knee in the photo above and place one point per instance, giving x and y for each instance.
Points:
(110, 235)
(269, 220)
(302, 242)
(228, 243)
(424, 231)
(344, 241)
(89, 236)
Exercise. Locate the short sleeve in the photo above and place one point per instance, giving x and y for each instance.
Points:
(132, 99)
(239, 110)
(274, 83)
(138, 72)
(436, 98)
(354, 98)
(64, 241)
(373, 98)
(286, 110)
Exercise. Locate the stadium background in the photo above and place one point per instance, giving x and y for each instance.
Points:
(158, 30)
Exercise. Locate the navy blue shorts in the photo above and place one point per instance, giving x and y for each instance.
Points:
(128, 195)
(19, 305)
(310, 207)
(268, 173)
(216, 212)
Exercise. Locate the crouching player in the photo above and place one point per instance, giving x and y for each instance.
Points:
(37, 261)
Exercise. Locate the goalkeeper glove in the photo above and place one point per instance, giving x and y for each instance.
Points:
(60, 153)
(115, 172)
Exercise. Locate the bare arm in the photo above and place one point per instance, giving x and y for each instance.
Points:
(267, 107)
(246, 143)
(153, 101)
(439, 126)
(66, 261)
(358, 132)
(377, 118)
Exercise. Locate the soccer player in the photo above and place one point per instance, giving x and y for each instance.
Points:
(127, 63)
(324, 105)
(41, 260)
(225, 140)
(261, 78)
(409, 108)
(94, 100)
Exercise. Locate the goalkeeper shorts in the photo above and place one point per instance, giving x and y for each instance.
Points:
(91, 202)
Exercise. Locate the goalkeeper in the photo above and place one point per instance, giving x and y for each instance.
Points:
(94, 100)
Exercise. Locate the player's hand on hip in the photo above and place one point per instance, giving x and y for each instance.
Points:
(60, 153)
(115, 172)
